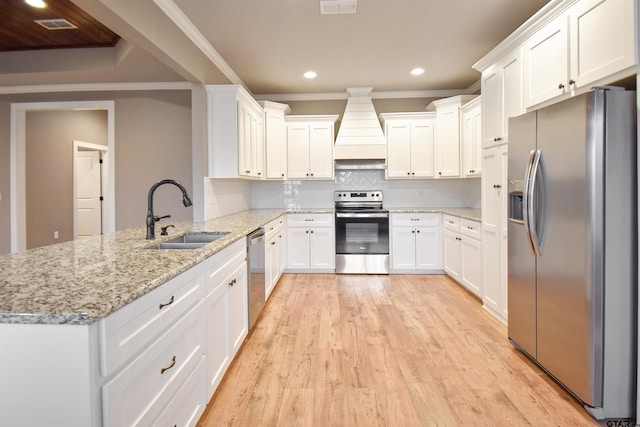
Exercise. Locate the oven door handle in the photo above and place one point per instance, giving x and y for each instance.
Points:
(362, 215)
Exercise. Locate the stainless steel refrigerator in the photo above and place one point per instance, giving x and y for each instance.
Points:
(572, 246)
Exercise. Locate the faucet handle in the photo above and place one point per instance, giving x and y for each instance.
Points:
(158, 218)
(165, 228)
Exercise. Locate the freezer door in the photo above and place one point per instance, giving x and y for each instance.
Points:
(521, 294)
(569, 183)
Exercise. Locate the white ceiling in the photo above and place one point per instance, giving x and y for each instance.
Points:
(268, 44)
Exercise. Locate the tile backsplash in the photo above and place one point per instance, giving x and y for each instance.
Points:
(397, 193)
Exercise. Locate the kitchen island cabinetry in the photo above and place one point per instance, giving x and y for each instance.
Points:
(235, 133)
(416, 243)
(310, 147)
(572, 51)
(410, 144)
(275, 139)
(462, 252)
(472, 138)
(310, 242)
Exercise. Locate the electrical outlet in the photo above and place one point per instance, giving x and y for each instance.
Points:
(55, 235)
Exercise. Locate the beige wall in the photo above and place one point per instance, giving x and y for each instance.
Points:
(49, 140)
(152, 141)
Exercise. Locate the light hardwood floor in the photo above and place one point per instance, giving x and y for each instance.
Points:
(383, 351)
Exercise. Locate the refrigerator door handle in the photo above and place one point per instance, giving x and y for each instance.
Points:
(531, 209)
(526, 201)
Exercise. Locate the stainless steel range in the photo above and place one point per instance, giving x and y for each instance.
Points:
(362, 233)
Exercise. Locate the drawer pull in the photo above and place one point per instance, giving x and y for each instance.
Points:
(470, 228)
(415, 219)
(308, 219)
(171, 365)
(162, 305)
(233, 282)
(273, 243)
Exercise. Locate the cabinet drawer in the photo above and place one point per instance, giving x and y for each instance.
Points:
(188, 404)
(451, 222)
(470, 228)
(224, 263)
(127, 331)
(310, 220)
(273, 227)
(415, 219)
(142, 390)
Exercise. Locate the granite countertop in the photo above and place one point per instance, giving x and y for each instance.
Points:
(466, 213)
(79, 282)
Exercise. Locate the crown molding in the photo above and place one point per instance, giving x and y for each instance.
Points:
(96, 87)
(332, 96)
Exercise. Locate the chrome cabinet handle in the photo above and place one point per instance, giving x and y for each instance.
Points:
(162, 305)
(171, 365)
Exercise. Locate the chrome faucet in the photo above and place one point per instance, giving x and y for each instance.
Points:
(151, 218)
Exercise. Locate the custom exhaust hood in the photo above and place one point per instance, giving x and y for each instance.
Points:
(360, 143)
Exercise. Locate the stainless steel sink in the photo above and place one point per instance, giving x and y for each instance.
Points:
(190, 240)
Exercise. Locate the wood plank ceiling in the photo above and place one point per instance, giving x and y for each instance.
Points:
(19, 31)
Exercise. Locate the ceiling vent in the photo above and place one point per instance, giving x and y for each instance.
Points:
(55, 24)
(337, 7)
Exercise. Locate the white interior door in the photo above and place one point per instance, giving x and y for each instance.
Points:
(88, 182)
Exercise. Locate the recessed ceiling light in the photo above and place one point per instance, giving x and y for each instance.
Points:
(417, 71)
(36, 3)
(310, 75)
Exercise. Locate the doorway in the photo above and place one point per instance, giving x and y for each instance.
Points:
(18, 164)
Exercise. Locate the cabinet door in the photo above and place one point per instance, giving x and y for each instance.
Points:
(452, 253)
(448, 143)
(471, 268)
(275, 145)
(322, 251)
(321, 150)
(511, 70)
(491, 189)
(244, 140)
(491, 271)
(403, 244)
(468, 143)
(238, 310)
(422, 141)
(428, 248)
(477, 143)
(216, 311)
(602, 38)
(257, 145)
(298, 150)
(546, 62)
(492, 105)
(398, 149)
(297, 248)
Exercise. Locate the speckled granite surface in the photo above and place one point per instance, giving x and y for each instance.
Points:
(466, 213)
(82, 281)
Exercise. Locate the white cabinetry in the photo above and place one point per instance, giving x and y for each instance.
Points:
(310, 242)
(501, 97)
(447, 142)
(416, 243)
(235, 133)
(310, 147)
(275, 139)
(472, 138)
(494, 231)
(410, 144)
(273, 254)
(462, 252)
(591, 40)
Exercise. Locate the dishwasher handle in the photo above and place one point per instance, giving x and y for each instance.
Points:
(256, 237)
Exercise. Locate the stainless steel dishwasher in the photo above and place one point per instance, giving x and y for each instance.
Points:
(255, 266)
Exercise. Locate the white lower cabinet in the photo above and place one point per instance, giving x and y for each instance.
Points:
(310, 242)
(463, 252)
(274, 254)
(416, 242)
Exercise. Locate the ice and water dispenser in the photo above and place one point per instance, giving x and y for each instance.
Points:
(516, 187)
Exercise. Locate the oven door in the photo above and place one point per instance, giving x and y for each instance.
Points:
(362, 233)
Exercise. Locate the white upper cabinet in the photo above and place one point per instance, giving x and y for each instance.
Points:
(501, 98)
(447, 142)
(471, 138)
(310, 147)
(591, 40)
(275, 139)
(235, 133)
(410, 144)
